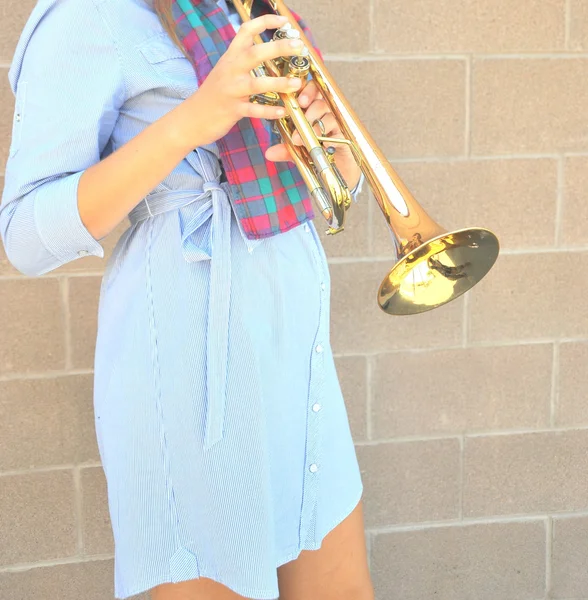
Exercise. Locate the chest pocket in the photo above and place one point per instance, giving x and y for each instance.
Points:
(170, 64)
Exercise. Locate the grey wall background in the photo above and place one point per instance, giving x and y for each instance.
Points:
(471, 422)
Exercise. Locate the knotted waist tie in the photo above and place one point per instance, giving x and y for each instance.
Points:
(208, 231)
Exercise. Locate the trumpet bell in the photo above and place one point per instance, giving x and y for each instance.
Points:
(438, 271)
(434, 266)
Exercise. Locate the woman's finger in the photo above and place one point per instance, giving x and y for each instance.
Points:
(278, 153)
(317, 110)
(261, 111)
(261, 53)
(261, 85)
(309, 94)
(245, 37)
(330, 124)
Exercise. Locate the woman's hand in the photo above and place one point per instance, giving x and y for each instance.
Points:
(316, 108)
(224, 96)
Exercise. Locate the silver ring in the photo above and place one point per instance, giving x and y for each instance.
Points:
(321, 127)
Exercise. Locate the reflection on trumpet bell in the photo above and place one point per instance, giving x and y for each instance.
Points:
(438, 271)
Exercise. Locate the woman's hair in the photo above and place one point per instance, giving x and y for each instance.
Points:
(163, 8)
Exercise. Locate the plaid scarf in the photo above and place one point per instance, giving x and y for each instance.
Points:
(268, 198)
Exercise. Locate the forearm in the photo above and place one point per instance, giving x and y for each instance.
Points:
(61, 196)
(111, 188)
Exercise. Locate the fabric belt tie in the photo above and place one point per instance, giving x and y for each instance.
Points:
(205, 236)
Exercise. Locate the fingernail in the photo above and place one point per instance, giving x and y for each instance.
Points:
(281, 112)
(296, 43)
(295, 83)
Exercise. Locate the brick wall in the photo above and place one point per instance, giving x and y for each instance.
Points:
(471, 422)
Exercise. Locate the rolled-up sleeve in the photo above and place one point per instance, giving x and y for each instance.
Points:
(69, 87)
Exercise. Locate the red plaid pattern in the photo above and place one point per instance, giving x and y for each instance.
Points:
(268, 198)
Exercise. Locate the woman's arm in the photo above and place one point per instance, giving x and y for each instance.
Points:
(59, 195)
(111, 188)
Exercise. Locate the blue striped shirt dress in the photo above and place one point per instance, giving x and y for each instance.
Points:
(220, 421)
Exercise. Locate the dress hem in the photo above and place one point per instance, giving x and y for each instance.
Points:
(346, 512)
(246, 592)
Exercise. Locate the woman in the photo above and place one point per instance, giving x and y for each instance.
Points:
(222, 430)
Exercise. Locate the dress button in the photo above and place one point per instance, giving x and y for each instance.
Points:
(17, 117)
(323, 287)
(313, 468)
(306, 227)
(319, 348)
(316, 407)
(83, 253)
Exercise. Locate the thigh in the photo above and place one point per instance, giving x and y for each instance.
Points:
(338, 570)
(195, 589)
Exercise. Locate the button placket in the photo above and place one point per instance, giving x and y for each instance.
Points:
(313, 468)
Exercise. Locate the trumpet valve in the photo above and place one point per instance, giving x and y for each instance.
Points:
(287, 32)
(298, 66)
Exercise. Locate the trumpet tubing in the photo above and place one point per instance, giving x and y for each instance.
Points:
(434, 266)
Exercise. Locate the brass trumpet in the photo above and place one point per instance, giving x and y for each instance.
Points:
(434, 266)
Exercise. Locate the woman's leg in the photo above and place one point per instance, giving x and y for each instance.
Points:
(338, 570)
(195, 589)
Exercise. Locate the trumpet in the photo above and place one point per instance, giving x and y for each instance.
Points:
(433, 265)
